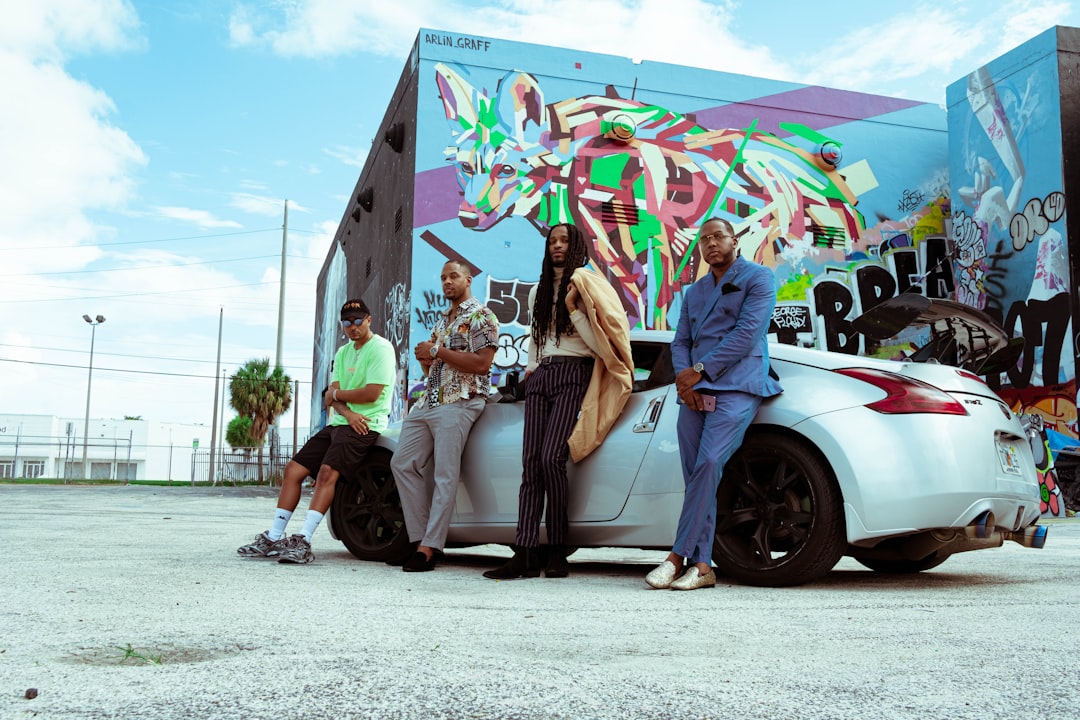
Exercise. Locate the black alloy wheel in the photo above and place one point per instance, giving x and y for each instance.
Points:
(366, 512)
(779, 514)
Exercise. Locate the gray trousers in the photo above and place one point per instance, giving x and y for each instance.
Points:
(440, 433)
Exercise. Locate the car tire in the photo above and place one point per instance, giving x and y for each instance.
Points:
(779, 514)
(903, 567)
(366, 512)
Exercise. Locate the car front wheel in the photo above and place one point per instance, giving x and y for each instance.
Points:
(779, 514)
(366, 512)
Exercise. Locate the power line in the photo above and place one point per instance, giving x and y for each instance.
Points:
(157, 266)
(126, 295)
(137, 242)
(122, 370)
(138, 357)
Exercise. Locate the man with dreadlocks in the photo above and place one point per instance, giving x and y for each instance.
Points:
(579, 375)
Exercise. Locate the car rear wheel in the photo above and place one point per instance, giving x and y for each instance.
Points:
(779, 514)
(904, 567)
(366, 512)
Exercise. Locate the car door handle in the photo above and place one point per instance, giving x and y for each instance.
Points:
(648, 418)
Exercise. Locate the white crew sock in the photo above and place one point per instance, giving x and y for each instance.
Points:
(281, 519)
(311, 522)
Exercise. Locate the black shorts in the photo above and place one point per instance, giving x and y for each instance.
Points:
(338, 446)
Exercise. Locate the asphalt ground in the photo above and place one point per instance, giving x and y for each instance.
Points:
(130, 602)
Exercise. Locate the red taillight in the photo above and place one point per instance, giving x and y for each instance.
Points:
(904, 394)
(970, 376)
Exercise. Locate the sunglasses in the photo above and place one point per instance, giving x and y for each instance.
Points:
(353, 321)
(707, 239)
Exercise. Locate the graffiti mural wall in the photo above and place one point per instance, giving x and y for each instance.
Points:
(1005, 159)
(845, 195)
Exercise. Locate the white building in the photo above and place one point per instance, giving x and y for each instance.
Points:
(50, 446)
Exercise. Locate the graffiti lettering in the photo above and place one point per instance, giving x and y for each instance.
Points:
(968, 236)
(427, 318)
(910, 201)
(1043, 323)
(396, 314)
(993, 283)
(1035, 219)
(508, 300)
(513, 352)
(794, 317)
(838, 298)
(834, 302)
(468, 43)
(1054, 206)
(435, 301)
(790, 320)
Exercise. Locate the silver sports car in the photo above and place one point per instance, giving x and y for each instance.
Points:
(896, 464)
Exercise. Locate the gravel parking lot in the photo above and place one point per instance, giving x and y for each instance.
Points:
(130, 602)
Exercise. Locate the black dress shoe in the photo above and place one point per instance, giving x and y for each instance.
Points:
(556, 566)
(525, 563)
(419, 562)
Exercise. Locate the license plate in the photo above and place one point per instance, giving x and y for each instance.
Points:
(1009, 457)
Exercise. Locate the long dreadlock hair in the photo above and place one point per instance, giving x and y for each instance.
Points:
(577, 255)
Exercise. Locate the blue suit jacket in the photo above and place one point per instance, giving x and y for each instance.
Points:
(724, 327)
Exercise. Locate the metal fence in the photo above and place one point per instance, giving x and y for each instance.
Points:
(240, 465)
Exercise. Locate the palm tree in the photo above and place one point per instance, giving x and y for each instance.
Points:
(238, 433)
(262, 395)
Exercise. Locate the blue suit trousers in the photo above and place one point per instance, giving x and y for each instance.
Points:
(707, 440)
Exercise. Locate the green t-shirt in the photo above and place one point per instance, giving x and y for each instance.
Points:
(375, 363)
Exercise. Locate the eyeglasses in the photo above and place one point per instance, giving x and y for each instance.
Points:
(713, 237)
(353, 321)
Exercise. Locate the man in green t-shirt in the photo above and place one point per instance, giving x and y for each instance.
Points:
(363, 379)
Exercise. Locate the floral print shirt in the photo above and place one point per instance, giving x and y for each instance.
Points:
(472, 328)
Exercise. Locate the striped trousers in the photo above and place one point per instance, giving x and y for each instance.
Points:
(553, 396)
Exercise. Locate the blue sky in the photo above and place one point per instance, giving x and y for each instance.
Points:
(148, 149)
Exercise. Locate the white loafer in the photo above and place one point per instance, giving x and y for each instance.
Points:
(692, 580)
(661, 576)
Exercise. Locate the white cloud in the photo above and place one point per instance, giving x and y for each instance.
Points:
(62, 158)
(265, 205)
(354, 157)
(51, 30)
(321, 28)
(1024, 20)
(879, 58)
(687, 32)
(202, 218)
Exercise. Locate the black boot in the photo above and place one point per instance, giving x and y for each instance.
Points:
(556, 566)
(525, 563)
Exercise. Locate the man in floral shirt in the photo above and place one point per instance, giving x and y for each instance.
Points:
(457, 367)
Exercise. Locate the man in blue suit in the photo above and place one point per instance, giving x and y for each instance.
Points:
(721, 359)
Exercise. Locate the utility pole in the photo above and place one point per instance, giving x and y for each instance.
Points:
(295, 413)
(89, 379)
(275, 437)
(214, 424)
(281, 290)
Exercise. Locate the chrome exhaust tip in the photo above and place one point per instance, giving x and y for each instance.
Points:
(982, 527)
(1030, 537)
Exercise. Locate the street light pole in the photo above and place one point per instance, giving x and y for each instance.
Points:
(89, 378)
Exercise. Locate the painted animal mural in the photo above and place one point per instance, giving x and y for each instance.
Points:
(640, 179)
